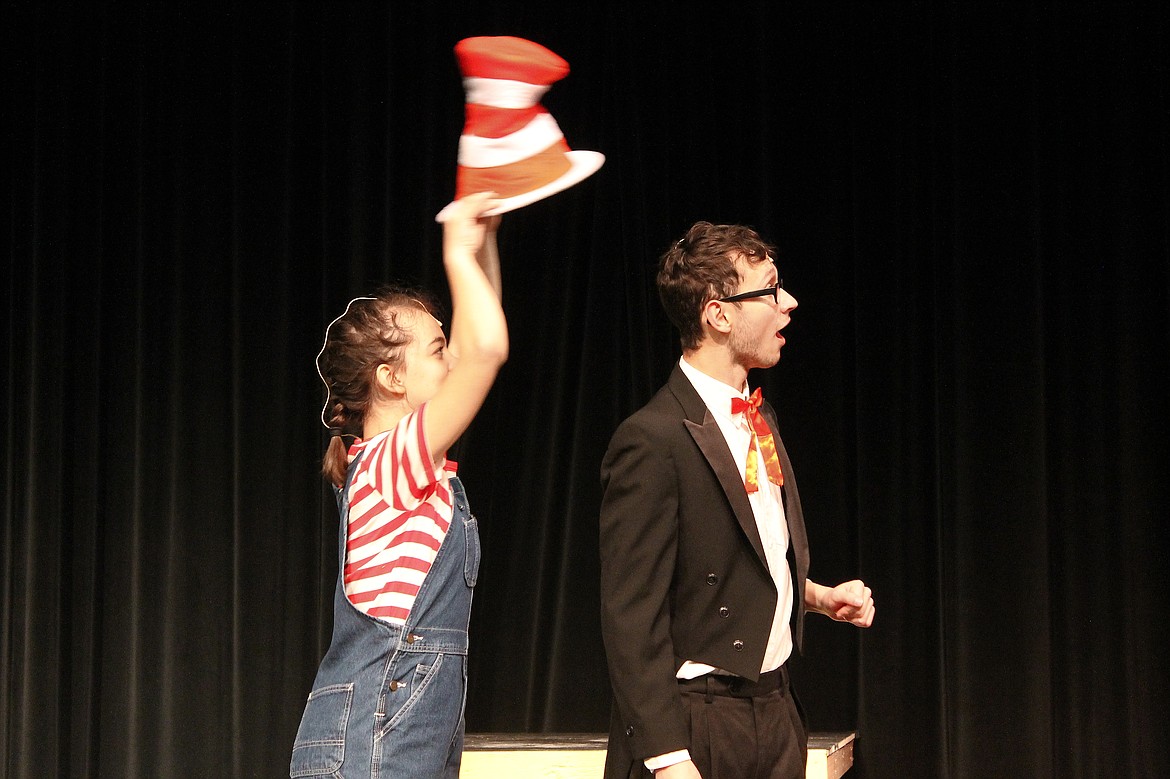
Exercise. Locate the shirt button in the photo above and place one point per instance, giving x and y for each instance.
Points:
(737, 645)
(712, 579)
(724, 612)
(630, 730)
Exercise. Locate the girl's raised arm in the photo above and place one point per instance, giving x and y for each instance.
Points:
(479, 332)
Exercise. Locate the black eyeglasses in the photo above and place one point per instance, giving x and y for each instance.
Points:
(772, 291)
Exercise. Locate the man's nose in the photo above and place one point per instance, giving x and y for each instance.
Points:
(786, 301)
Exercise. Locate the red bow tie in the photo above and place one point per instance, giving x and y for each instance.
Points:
(762, 433)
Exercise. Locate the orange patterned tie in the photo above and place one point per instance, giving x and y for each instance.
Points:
(763, 434)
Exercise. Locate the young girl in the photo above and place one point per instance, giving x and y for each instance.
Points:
(389, 694)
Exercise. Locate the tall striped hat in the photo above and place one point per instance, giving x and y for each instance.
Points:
(511, 145)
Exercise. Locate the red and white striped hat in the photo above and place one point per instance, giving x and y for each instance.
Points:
(511, 145)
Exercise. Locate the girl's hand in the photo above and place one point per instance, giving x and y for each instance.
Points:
(466, 227)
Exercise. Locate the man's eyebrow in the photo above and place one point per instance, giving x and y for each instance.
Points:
(441, 340)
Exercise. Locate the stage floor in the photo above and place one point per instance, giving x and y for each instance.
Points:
(582, 755)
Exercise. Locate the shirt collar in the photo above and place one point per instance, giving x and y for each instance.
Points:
(715, 394)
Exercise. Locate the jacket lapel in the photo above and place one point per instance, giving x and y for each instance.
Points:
(709, 438)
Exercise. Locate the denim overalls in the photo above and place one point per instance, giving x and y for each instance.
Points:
(388, 699)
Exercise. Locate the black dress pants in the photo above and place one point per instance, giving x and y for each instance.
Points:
(746, 730)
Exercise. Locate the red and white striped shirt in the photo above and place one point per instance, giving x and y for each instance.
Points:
(400, 506)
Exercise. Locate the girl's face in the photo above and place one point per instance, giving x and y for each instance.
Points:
(425, 361)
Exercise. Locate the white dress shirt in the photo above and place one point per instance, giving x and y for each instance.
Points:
(768, 507)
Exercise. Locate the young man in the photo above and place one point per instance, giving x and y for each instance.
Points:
(704, 558)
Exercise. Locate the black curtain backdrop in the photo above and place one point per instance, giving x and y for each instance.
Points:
(971, 203)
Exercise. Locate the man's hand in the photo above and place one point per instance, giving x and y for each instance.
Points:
(848, 602)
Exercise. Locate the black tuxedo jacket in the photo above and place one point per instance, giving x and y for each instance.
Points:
(683, 572)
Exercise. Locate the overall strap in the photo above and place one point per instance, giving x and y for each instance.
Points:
(340, 493)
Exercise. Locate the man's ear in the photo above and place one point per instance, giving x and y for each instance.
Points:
(715, 316)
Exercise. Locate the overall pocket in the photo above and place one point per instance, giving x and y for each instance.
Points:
(421, 676)
(427, 720)
(471, 560)
(319, 749)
